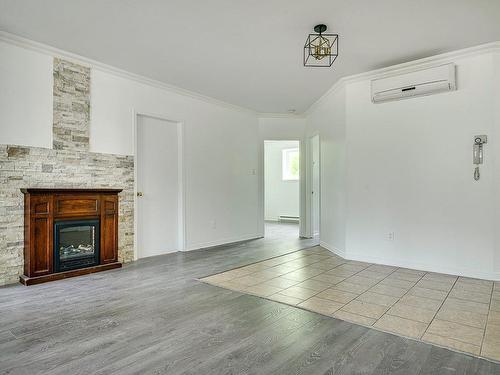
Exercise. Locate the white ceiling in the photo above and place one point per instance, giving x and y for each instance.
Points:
(249, 52)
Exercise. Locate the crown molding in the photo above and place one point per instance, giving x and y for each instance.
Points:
(407, 67)
(296, 116)
(55, 52)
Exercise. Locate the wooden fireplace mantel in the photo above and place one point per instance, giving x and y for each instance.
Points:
(43, 207)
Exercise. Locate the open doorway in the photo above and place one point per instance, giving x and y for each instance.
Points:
(282, 188)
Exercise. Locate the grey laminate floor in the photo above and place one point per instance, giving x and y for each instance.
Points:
(154, 317)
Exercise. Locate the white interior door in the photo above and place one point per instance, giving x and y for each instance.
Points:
(157, 186)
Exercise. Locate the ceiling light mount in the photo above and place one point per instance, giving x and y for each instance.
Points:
(321, 49)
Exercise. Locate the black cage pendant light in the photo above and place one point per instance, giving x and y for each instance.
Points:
(321, 49)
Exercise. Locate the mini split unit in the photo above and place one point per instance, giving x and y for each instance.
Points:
(418, 83)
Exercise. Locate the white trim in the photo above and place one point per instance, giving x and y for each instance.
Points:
(423, 63)
(181, 203)
(423, 266)
(333, 249)
(461, 271)
(55, 52)
(262, 115)
(309, 184)
(225, 241)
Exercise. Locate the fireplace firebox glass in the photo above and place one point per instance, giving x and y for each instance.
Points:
(76, 244)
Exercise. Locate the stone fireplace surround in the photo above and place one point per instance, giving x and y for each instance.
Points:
(69, 164)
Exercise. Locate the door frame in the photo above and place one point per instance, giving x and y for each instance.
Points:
(303, 220)
(309, 184)
(181, 177)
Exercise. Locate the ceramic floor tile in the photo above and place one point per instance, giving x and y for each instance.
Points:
(372, 274)
(460, 304)
(217, 278)
(285, 268)
(296, 276)
(351, 288)
(356, 279)
(491, 350)
(265, 274)
(423, 303)
(314, 285)
(341, 273)
(450, 343)
(388, 290)
(337, 295)
(439, 277)
(330, 279)
(494, 317)
(369, 310)
(412, 313)
(405, 276)
(403, 284)
(438, 295)
(262, 290)
(286, 299)
(411, 271)
(249, 280)
(475, 281)
(273, 262)
(495, 304)
(434, 285)
(455, 331)
(401, 326)
(470, 296)
(492, 334)
(462, 317)
(238, 272)
(380, 268)
(322, 306)
(354, 318)
(377, 299)
(280, 282)
(473, 287)
(449, 311)
(255, 267)
(351, 267)
(297, 292)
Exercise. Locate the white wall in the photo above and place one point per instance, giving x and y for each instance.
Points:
(281, 197)
(282, 128)
(405, 167)
(25, 97)
(328, 120)
(221, 142)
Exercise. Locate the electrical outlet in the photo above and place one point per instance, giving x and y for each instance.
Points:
(213, 224)
(390, 236)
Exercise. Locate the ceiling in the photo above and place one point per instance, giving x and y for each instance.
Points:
(249, 52)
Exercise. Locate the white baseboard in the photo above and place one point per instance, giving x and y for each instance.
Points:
(439, 268)
(226, 241)
(333, 249)
(459, 271)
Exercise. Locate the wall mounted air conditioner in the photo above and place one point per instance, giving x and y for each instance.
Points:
(418, 83)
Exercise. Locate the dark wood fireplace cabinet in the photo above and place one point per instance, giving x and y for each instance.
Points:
(69, 232)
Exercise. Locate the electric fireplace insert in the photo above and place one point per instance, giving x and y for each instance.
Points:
(76, 244)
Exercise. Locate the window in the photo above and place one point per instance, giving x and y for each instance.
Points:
(290, 165)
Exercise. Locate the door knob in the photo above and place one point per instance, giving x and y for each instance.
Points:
(140, 194)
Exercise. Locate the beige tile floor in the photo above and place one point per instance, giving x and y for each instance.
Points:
(455, 312)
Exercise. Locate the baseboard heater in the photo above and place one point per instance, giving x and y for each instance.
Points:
(288, 219)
